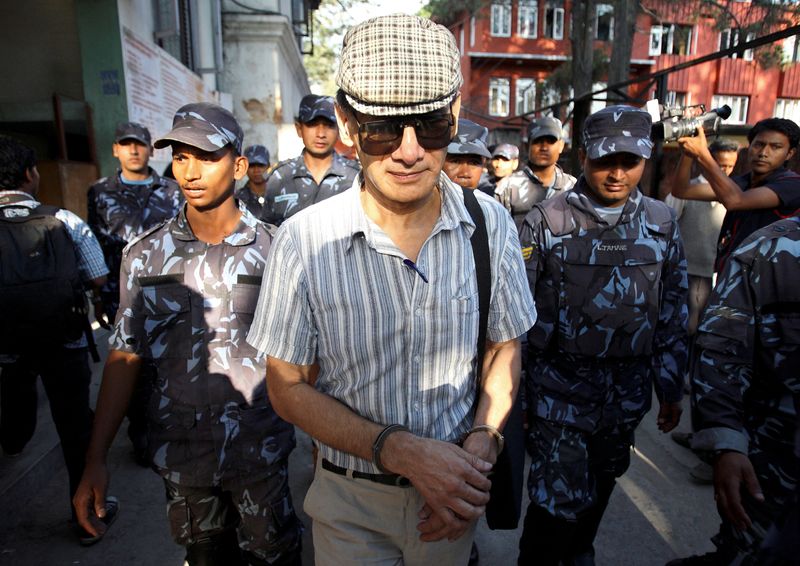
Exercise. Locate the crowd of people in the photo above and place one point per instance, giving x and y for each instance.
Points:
(399, 309)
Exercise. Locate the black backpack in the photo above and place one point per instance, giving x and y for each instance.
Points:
(42, 303)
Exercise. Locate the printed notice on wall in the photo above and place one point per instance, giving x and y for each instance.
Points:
(157, 86)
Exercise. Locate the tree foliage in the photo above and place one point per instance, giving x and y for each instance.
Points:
(446, 12)
(331, 21)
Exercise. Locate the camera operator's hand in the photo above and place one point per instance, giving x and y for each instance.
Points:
(694, 146)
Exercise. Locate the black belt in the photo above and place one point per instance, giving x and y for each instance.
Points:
(385, 479)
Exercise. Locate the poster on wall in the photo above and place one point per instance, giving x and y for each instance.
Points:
(157, 86)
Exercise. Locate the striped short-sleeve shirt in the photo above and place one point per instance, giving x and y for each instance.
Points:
(395, 341)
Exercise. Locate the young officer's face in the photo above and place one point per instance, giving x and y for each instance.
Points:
(612, 178)
(257, 174)
(464, 170)
(133, 156)
(768, 151)
(206, 178)
(319, 136)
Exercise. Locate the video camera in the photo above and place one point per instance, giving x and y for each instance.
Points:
(675, 124)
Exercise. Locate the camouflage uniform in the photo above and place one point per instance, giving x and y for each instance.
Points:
(253, 202)
(611, 300)
(521, 190)
(188, 306)
(746, 388)
(118, 212)
(291, 187)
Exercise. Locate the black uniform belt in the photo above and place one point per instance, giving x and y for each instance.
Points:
(385, 479)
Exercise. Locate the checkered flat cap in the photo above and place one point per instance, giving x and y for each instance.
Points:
(399, 65)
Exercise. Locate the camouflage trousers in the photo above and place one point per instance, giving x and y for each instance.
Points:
(566, 464)
(261, 513)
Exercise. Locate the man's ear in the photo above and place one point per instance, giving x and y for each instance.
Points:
(114, 150)
(240, 166)
(298, 129)
(581, 156)
(791, 153)
(343, 121)
(455, 110)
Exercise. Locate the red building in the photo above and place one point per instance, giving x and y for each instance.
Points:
(509, 47)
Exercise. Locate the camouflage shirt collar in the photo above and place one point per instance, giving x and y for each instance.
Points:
(338, 167)
(116, 180)
(242, 235)
(579, 197)
(559, 180)
(453, 212)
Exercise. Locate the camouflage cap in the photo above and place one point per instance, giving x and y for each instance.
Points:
(132, 131)
(470, 140)
(205, 126)
(399, 65)
(545, 126)
(314, 106)
(257, 155)
(507, 150)
(618, 129)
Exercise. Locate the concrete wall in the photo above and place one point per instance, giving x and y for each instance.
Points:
(263, 71)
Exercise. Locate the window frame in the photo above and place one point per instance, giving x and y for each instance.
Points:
(524, 108)
(528, 8)
(597, 15)
(556, 14)
(500, 13)
(793, 114)
(734, 101)
(499, 93)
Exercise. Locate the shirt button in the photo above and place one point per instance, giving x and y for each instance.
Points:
(418, 312)
(416, 406)
(416, 359)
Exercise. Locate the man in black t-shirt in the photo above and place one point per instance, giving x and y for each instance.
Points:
(767, 193)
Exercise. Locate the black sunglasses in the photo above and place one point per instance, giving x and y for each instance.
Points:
(382, 137)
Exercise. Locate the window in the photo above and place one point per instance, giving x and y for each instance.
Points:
(599, 100)
(527, 18)
(677, 99)
(738, 106)
(604, 22)
(554, 20)
(501, 19)
(788, 108)
(671, 39)
(173, 29)
(499, 93)
(525, 96)
(731, 38)
(791, 50)
(472, 31)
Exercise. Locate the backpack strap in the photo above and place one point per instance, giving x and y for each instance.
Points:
(480, 251)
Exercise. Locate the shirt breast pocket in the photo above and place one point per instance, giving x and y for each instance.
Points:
(166, 307)
(244, 298)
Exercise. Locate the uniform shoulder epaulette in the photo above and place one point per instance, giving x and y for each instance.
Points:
(282, 163)
(351, 163)
(143, 235)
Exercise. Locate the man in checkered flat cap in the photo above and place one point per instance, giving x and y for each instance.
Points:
(375, 300)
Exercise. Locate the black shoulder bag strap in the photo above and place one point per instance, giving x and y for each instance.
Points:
(505, 503)
(480, 251)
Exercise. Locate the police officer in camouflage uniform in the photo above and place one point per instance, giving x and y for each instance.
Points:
(120, 208)
(126, 204)
(607, 268)
(318, 172)
(252, 194)
(746, 398)
(541, 178)
(467, 154)
(190, 287)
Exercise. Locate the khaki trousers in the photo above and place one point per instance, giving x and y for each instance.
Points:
(360, 522)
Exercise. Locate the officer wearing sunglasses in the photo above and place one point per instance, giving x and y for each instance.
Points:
(372, 297)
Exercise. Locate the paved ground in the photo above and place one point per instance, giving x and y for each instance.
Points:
(655, 514)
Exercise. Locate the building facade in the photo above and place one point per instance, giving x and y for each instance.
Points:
(510, 47)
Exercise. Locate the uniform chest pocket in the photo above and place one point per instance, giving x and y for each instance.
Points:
(244, 297)
(166, 307)
(610, 296)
